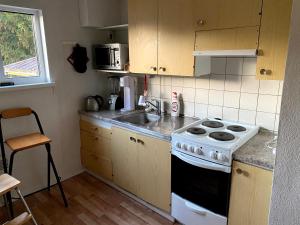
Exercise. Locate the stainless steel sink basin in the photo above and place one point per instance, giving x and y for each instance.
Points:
(139, 118)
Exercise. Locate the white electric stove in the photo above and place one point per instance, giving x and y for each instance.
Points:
(212, 139)
(201, 169)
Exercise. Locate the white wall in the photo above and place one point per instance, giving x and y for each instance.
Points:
(286, 186)
(58, 106)
(231, 92)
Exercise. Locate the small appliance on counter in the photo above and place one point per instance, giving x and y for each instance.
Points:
(93, 103)
(115, 101)
(128, 83)
(113, 56)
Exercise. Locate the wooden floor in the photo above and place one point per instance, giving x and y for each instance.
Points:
(91, 202)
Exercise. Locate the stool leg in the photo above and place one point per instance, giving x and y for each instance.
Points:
(56, 175)
(26, 206)
(11, 162)
(9, 203)
(48, 169)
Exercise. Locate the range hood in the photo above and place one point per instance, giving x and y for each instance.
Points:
(203, 58)
(227, 53)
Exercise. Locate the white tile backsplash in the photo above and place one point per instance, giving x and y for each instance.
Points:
(267, 103)
(269, 87)
(230, 114)
(217, 82)
(233, 83)
(248, 101)
(250, 84)
(188, 94)
(232, 99)
(247, 116)
(266, 120)
(202, 82)
(201, 96)
(218, 65)
(234, 66)
(189, 82)
(201, 110)
(214, 111)
(215, 97)
(230, 92)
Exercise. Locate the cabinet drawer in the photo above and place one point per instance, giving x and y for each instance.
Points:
(99, 165)
(88, 141)
(91, 128)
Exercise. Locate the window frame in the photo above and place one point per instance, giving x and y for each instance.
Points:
(41, 49)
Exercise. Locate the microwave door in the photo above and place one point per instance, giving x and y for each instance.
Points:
(103, 57)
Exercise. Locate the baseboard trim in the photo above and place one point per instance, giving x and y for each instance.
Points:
(153, 208)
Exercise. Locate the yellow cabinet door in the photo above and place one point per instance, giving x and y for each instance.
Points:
(273, 41)
(154, 171)
(142, 36)
(250, 195)
(176, 38)
(221, 14)
(125, 159)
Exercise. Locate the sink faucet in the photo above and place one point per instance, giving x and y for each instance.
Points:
(157, 106)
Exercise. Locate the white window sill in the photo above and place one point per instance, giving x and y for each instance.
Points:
(26, 86)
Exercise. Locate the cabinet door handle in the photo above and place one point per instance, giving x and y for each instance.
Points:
(140, 141)
(243, 172)
(153, 68)
(162, 69)
(132, 139)
(265, 72)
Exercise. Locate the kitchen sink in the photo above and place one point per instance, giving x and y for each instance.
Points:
(139, 118)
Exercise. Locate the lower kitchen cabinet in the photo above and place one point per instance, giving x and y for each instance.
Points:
(96, 149)
(250, 195)
(142, 166)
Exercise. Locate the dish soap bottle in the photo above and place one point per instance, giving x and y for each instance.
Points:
(175, 105)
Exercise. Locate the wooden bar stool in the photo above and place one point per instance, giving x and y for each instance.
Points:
(25, 142)
(8, 184)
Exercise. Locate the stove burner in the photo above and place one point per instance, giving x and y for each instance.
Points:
(221, 136)
(236, 128)
(213, 124)
(196, 130)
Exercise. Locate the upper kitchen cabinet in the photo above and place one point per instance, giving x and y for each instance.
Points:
(142, 36)
(273, 41)
(219, 14)
(161, 37)
(176, 38)
(103, 13)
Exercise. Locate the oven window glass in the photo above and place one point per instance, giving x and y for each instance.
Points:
(102, 56)
(206, 188)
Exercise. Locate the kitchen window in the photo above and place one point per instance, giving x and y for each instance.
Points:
(23, 55)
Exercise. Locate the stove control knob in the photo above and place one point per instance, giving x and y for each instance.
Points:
(213, 155)
(198, 151)
(184, 147)
(221, 157)
(178, 145)
(191, 148)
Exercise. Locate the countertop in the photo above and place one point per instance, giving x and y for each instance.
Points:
(162, 128)
(255, 152)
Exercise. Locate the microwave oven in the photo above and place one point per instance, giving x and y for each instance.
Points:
(110, 56)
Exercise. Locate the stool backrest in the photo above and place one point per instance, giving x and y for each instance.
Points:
(13, 113)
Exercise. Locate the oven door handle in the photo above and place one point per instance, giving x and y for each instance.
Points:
(196, 209)
(202, 163)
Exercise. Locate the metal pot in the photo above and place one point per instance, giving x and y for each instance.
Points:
(94, 103)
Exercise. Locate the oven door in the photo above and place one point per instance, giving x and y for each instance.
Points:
(201, 182)
(103, 57)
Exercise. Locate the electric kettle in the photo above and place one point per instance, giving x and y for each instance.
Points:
(93, 103)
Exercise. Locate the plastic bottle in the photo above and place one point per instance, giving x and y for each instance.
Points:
(175, 105)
